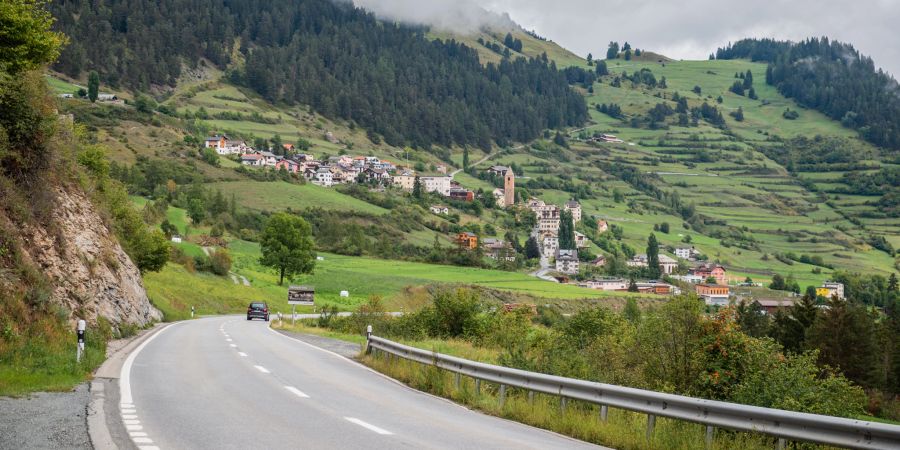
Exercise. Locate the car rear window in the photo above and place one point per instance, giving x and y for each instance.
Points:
(257, 305)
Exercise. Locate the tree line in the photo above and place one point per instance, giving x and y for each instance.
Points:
(831, 77)
(389, 78)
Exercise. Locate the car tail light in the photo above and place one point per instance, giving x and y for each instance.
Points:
(265, 310)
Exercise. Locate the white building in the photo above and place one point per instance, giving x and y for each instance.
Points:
(667, 264)
(686, 252)
(441, 185)
(606, 284)
(253, 159)
(324, 177)
(550, 244)
(830, 289)
(440, 209)
(547, 216)
(567, 262)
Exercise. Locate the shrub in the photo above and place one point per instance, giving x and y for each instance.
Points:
(220, 262)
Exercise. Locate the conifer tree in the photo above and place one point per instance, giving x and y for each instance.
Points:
(653, 257)
(566, 231)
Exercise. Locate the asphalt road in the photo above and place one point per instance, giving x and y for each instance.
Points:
(227, 383)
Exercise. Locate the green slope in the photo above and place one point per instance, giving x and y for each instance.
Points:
(742, 188)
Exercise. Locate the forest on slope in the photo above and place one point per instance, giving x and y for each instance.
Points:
(831, 77)
(389, 78)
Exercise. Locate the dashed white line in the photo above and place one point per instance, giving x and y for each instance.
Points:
(129, 416)
(134, 427)
(142, 440)
(296, 392)
(242, 354)
(227, 340)
(131, 422)
(368, 426)
(262, 369)
(233, 345)
(137, 434)
(148, 447)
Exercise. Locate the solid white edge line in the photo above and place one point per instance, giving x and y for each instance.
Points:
(262, 369)
(296, 392)
(368, 426)
(125, 373)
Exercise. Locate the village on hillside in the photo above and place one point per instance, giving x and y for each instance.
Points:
(685, 268)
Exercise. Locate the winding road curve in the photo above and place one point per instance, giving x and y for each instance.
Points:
(224, 382)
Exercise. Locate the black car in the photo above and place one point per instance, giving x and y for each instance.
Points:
(258, 310)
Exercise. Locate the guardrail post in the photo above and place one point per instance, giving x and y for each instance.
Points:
(530, 397)
(651, 422)
(477, 386)
(562, 404)
(502, 395)
(710, 433)
(781, 443)
(456, 380)
(604, 412)
(368, 337)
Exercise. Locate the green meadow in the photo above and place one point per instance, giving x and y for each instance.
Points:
(274, 196)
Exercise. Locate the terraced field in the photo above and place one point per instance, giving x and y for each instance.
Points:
(724, 173)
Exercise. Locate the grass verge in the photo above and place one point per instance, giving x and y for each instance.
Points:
(580, 420)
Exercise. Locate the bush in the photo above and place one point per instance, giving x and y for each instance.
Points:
(220, 262)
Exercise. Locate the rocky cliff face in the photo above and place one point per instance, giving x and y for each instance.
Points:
(90, 273)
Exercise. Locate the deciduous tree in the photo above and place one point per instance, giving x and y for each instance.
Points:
(287, 246)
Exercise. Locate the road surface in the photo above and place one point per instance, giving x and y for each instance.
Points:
(224, 382)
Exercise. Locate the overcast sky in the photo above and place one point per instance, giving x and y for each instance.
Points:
(679, 29)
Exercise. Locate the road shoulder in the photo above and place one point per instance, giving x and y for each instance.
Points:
(343, 348)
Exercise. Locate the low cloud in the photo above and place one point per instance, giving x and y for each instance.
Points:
(460, 16)
(692, 29)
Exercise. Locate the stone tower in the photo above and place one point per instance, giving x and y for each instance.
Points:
(509, 188)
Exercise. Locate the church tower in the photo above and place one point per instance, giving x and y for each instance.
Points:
(509, 188)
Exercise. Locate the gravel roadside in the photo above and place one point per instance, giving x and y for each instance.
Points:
(46, 420)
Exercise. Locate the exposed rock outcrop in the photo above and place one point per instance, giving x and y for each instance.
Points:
(90, 273)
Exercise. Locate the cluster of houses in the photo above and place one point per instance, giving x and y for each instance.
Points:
(342, 169)
(547, 233)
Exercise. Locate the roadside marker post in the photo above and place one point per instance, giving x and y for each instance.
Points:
(192, 311)
(80, 331)
(368, 335)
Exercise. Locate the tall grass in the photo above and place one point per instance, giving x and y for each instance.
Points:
(577, 419)
(41, 356)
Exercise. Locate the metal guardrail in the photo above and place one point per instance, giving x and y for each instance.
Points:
(786, 425)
